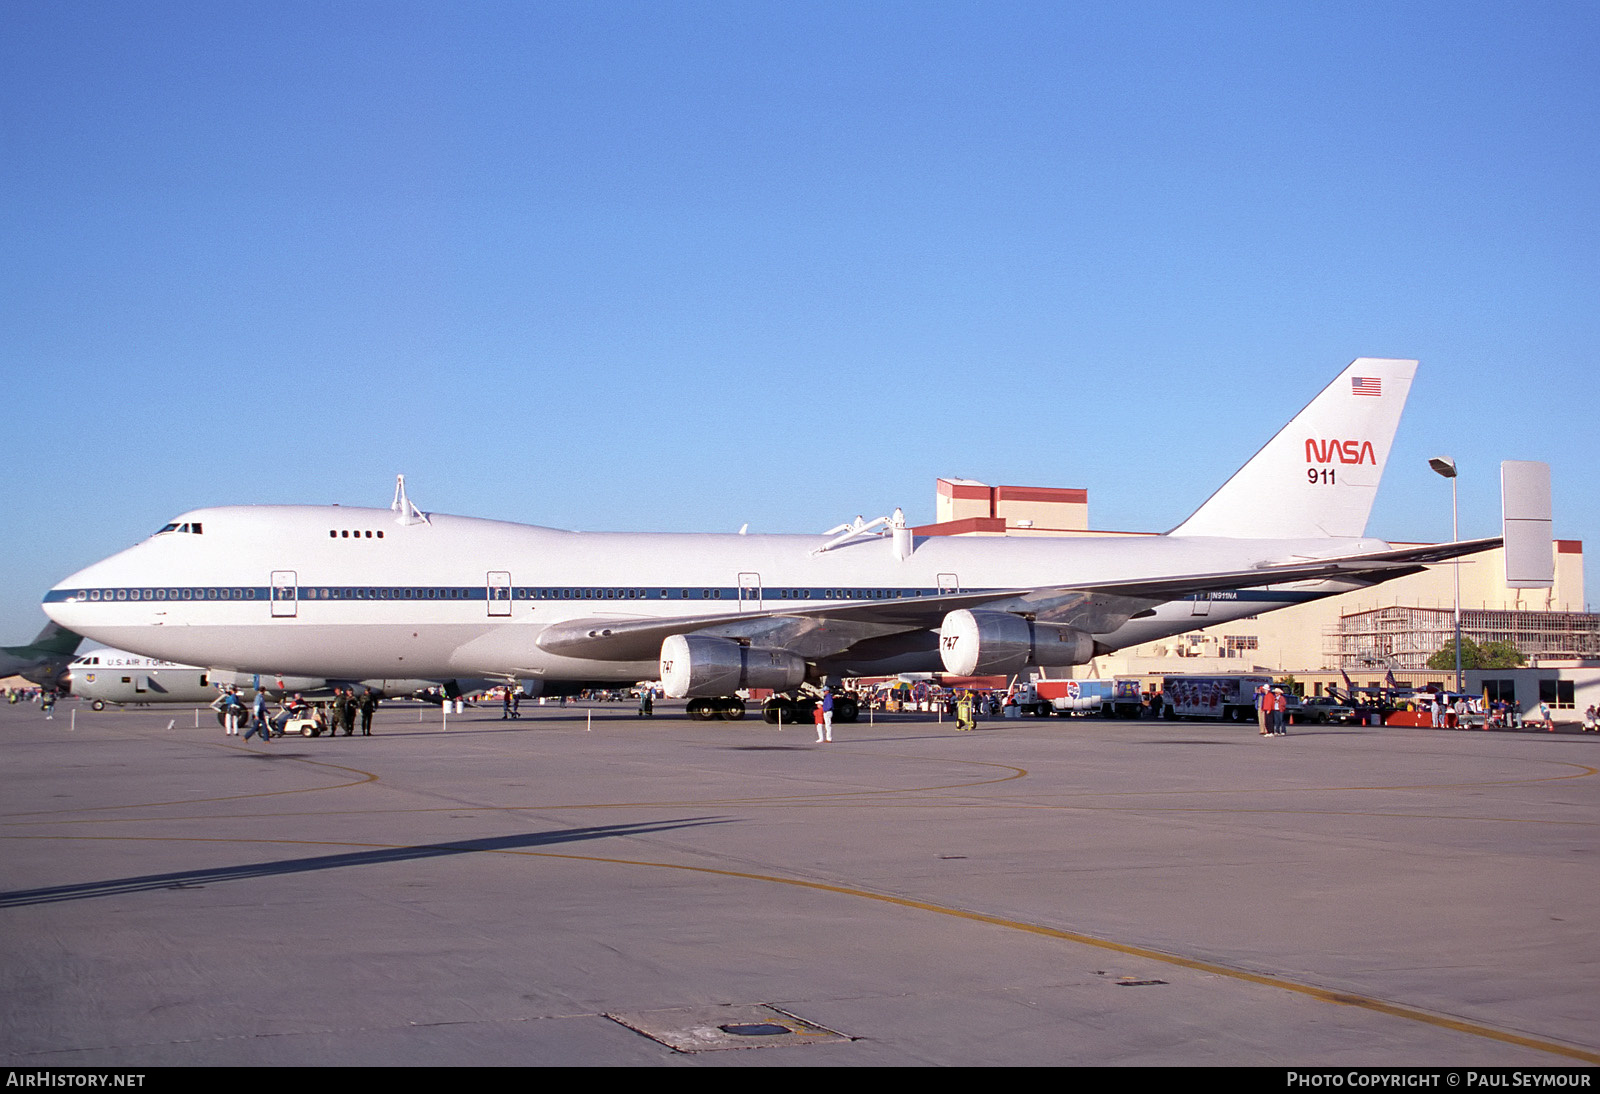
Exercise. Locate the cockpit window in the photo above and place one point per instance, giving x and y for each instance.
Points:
(194, 527)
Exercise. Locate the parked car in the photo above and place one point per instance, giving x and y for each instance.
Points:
(1324, 709)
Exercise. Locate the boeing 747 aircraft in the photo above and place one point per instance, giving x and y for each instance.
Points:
(371, 593)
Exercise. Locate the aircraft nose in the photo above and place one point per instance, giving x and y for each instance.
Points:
(67, 601)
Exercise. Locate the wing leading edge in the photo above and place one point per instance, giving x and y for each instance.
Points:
(1094, 607)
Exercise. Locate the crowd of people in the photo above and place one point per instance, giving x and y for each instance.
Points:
(965, 706)
(295, 714)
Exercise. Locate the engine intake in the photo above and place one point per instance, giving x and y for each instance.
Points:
(699, 666)
(981, 643)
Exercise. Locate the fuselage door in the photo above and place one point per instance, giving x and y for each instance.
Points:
(949, 583)
(749, 592)
(284, 604)
(499, 588)
(1202, 604)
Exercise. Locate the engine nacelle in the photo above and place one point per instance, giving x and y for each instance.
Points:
(985, 643)
(695, 666)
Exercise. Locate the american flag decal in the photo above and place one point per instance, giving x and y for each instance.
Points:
(1366, 385)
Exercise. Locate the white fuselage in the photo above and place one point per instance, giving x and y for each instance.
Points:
(356, 593)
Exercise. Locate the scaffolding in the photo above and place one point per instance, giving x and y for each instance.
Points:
(1404, 638)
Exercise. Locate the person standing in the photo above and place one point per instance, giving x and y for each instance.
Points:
(1264, 709)
(369, 703)
(341, 703)
(229, 707)
(964, 719)
(827, 714)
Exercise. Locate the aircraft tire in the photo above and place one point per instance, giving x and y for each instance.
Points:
(733, 710)
(784, 712)
(846, 709)
(98, 704)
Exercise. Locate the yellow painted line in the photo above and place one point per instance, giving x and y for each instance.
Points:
(365, 777)
(1310, 991)
(7, 819)
(1325, 995)
(815, 802)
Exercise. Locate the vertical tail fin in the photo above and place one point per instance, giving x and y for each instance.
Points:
(1319, 475)
(54, 639)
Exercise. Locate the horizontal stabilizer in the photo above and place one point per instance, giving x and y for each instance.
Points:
(1525, 509)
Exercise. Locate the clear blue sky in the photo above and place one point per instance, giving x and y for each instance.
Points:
(677, 265)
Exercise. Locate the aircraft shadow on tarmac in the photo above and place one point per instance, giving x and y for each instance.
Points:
(189, 879)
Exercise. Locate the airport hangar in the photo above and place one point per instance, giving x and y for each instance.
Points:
(1393, 627)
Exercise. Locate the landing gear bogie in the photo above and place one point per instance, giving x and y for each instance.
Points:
(727, 708)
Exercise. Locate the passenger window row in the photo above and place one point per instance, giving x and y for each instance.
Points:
(167, 594)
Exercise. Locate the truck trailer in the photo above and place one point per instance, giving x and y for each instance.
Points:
(1226, 698)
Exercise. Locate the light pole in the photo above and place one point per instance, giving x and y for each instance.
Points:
(1446, 466)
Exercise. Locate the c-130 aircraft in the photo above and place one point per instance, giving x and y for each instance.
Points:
(353, 593)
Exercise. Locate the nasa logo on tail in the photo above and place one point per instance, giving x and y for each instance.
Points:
(1344, 451)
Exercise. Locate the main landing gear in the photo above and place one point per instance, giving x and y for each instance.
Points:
(728, 708)
(780, 710)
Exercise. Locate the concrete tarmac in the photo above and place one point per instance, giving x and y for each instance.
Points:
(587, 887)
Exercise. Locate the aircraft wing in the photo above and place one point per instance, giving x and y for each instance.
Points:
(1093, 607)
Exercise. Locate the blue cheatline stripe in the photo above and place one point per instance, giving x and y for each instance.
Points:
(770, 596)
(449, 593)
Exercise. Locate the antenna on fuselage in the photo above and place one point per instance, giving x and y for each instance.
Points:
(409, 513)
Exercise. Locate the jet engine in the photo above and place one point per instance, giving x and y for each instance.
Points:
(980, 643)
(697, 665)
